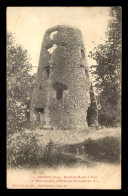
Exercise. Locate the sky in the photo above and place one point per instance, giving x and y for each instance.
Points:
(30, 23)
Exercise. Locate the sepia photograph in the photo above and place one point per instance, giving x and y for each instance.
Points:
(64, 68)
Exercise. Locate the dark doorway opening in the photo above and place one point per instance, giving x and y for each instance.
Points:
(92, 112)
(92, 115)
(38, 112)
(41, 110)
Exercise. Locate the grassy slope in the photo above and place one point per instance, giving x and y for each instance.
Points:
(52, 148)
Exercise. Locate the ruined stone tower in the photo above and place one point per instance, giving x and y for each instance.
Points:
(61, 95)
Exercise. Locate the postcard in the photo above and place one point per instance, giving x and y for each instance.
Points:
(64, 97)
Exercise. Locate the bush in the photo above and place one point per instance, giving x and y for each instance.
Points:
(22, 150)
(25, 151)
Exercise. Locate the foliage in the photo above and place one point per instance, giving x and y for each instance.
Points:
(25, 151)
(105, 149)
(22, 150)
(20, 85)
(108, 71)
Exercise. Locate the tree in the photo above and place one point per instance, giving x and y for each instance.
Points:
(20, 85)
(108, 71)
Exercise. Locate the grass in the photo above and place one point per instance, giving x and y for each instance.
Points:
(45, 148)
(105, 149)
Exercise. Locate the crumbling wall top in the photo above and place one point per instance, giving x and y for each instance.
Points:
(58, 27)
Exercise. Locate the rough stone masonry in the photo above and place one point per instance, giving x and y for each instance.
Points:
(62, 94)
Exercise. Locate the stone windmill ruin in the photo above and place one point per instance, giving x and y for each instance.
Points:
(63, 96)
